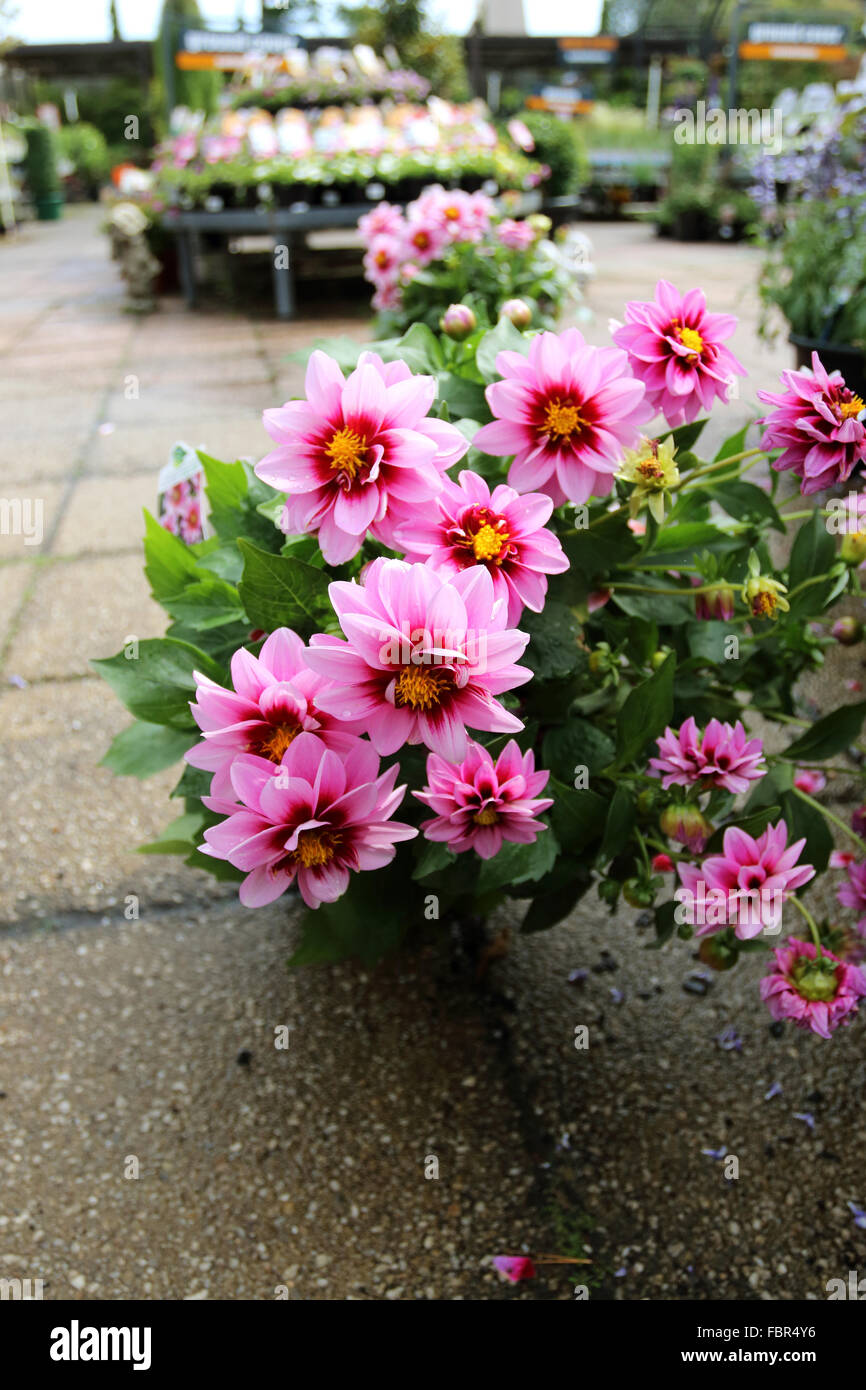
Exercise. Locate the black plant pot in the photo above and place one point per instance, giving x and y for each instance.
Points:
(838, 357)
(692, 226)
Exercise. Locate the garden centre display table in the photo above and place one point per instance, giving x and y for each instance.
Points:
(282, 225)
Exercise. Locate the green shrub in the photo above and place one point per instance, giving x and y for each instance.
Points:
(41, 164)
(86, 149)
(558, 144)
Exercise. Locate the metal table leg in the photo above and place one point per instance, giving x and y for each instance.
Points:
(186, 267)
(284, 279)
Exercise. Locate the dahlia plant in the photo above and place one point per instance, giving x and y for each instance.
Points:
(454, 245)
(482, 631)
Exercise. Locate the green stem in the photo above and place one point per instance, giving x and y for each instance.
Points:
(813, 926)
(720, 463)
(671, 593)
(830, 816)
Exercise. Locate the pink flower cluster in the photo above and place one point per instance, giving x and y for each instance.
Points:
(181, 511)
(819, 424)
(723, 756)
(398, 245)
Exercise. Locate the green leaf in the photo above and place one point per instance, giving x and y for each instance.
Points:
(813, 551)
(182, 836)
(158, 684)
(236, 496)
(734, 444)
(206, 603)
(576, 744)
(619, 824)
(804, 821)
(554, 903)
(832, 734)
(281, 591)
(577, 817)
(553, 652)
(754, 825)
(659, 608)
(366, 923)
(504, 337)
(665, 924)
(143, 749)
(746, 502)
(686, 436)
(434, 856)
(607, 544)
(515, 864)
(646, 712)
(169, 564)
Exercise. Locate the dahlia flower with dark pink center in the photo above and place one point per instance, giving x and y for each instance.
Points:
(315, 818)
(723, 756)
(357, 454)
(424, 656)
(819, 424)
(273, 700)
(853, 893)
(746, 885)
(480, 803)
(468, 525)
(678, 350)
(565, 412)
(816, 992)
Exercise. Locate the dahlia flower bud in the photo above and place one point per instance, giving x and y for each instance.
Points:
(765, 596)
(539, 222)
(847, 631)
(686, 824)
(637, 893)
(853, 550)
(858, 821)
(718, 605)
(458, 322)
(518, 311)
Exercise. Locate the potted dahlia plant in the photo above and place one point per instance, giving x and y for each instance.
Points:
(483, 630)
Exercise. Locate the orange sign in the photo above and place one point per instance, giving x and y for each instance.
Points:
(796, 52)
(599, 41)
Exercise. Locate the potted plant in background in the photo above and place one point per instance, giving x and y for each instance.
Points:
(43, 177)
(815, 271)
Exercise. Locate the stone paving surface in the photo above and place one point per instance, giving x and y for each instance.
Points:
(154, 1039)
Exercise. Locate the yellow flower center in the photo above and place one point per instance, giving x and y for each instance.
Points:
(452, 213)
(849, 409)
(346, 452)
(274, 742)
(421, 240)
(315, 847)
(487, 817)
(562, 419)
(691, 339)
(651, 471)
(487, 543)
(764, 604)
(422, 687)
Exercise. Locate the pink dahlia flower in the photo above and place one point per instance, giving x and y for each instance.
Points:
(723, 756)
(853, 893)
(677, 349)
(565, 412)
(274, 700)
(517, 236)
(423, 240)
(466, 525)
(455, 214)
(817, 992)
(514, 1267)
(357, 454)
(383, 220)
(809, 780)
(818, 424)
(383, 260)
(425, 656)
(316, 817)
(746, 885)
(480, 803)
